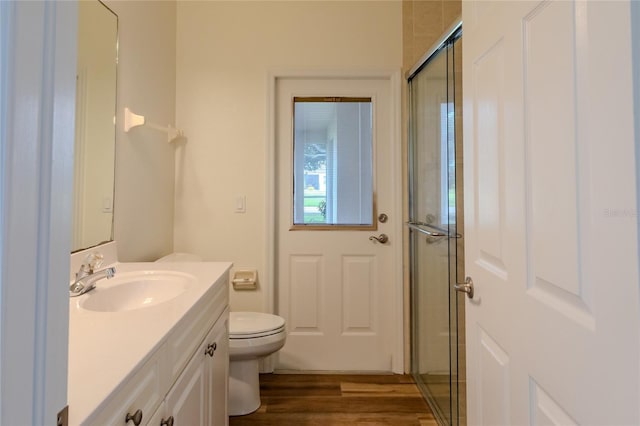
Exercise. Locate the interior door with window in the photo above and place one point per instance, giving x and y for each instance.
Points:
(335, 252)
(550, 214)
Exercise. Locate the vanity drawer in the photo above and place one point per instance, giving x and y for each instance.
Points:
(191, 330)
(143, 391)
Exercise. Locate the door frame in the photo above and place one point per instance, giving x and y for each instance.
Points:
(395, 87)
(37, 113)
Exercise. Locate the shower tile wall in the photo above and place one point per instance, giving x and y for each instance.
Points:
(423, 22)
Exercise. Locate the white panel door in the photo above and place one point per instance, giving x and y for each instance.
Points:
(336, 288)
(550, 220)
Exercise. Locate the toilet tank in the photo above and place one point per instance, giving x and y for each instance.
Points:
(180, 257)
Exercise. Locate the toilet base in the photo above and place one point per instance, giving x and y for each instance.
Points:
(244, 387)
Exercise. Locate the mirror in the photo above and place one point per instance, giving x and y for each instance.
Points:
(95, 125)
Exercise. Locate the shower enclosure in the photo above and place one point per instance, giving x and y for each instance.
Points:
(436, 226)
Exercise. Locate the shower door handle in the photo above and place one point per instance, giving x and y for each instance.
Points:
(417, 226)
(466, 287)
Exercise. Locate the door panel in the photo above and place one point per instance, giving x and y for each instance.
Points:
(550, 173)
(553, 193)
(335, 284)
(360, 295)
(494, 370)
(546, 411)
(489, 208)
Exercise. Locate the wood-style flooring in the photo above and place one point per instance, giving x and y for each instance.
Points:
(319, 399)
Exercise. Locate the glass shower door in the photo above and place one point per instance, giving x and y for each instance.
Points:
(435, 241)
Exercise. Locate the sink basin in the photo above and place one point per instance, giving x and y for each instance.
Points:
(136, 290)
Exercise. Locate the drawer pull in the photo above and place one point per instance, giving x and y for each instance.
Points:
(168, 422)
(136, 418)
(211, 348)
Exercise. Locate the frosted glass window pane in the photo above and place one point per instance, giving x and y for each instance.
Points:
(333, 162)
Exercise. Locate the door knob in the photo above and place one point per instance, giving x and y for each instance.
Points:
(466, 287)
(383, 238)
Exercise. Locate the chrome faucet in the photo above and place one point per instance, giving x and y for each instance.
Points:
(86, 277)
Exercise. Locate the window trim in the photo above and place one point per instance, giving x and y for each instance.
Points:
(338, 226)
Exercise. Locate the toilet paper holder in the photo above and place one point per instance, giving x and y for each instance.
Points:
(245, 279)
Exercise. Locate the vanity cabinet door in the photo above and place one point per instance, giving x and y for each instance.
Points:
(186, 401)
(138, 398)
(199, 396)
(159, 416)
(218, 372)
(194, 327)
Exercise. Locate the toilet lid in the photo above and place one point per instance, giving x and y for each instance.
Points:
(248, 324)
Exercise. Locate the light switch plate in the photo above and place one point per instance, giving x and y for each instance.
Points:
(107, 205)
(240, 204)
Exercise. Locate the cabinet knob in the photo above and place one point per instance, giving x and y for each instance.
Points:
(136, 417)
(211, 348)
(168, 422)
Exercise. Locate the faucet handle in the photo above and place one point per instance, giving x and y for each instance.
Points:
(110, 272)
(93, 261)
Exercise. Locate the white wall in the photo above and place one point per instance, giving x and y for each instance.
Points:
(225, 51)
(144, 199)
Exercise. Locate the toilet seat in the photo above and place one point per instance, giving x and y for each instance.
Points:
(249, 325)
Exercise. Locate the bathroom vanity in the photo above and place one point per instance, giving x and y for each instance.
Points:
(140, 360)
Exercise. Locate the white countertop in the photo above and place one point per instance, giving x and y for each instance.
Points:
(106, 347)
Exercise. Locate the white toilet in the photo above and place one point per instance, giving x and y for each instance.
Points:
(252, 335)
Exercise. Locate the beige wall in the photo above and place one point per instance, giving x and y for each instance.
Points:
(144, 199)
(225, 52)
